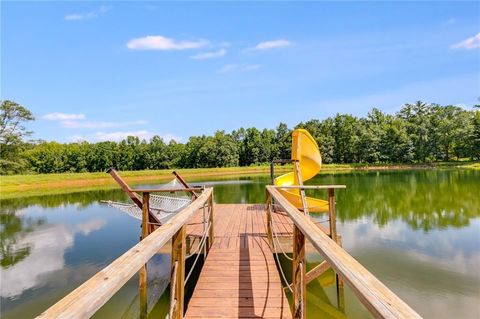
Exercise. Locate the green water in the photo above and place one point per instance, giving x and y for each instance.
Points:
(417, 231)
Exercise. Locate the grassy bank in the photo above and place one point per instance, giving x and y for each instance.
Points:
(44, 184)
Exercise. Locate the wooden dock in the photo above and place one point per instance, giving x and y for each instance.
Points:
(239, 278)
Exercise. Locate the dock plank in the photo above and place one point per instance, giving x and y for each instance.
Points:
(239, 278)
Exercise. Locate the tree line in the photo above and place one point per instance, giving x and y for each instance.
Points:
(418, 133)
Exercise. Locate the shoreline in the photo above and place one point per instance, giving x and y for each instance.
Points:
(15, 186)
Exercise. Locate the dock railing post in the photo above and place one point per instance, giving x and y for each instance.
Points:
(210, 222)
(269, 220)
(333, 234)
(177, 273)
(332, 214)
(299, 268)
(142, 274)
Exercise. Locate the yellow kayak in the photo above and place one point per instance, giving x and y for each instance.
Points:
(305, 151)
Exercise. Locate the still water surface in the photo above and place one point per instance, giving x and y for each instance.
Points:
(417, 231)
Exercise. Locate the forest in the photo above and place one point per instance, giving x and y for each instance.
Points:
(417, 133)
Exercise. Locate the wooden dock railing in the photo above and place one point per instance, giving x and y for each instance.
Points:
(376, 297)
(85, 300)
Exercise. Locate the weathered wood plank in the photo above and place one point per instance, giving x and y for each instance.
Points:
(239, 270)
(240, 312)
(272, 302)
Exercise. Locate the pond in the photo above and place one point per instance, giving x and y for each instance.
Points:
(417, 231)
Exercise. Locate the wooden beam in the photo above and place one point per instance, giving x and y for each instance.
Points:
(211, 233)
(142, 274)
(145, 213)
(333, 234)
(339, 281)
(269, 220)
(133, 196)
(184, 183)
(137, 200)
(177, 283)
(315, 272)
(318, 270)
(142, 289)
(85, 300)
(332, 214)
(299, 267)
(378, 299)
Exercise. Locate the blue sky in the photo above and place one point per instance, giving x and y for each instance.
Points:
(100, 70)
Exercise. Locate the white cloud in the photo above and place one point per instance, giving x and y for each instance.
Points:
(228, 68)
(250, 67)
(168, 137)
(272, 44)
(209, 55)
(161, 43)
(87, 15)
(90, 226)
(468, 44)
(121, 135)
(47, 246)
(76, 121)
(239, 67)
(63, 116)
(99, 124)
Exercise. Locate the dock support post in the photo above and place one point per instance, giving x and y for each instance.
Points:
(269, 220)
(299, 269)
(142, 274)
(333, 234)
(210, 221)
(177, 273)
(332, 214)
(272, 172)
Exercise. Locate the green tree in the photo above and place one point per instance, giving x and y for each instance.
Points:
(419, 128)
(346, 138)
(252, 146)
(283, 142)
(475, 141)
(226, 150)
(157, 155)
(451, 129)
(396, 146)
(46, 157)
(12, 131)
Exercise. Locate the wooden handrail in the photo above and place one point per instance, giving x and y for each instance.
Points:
(377, 297)
(84, 301)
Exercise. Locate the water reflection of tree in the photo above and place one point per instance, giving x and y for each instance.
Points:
(81, 199)
(11, 231)
(423, 199)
